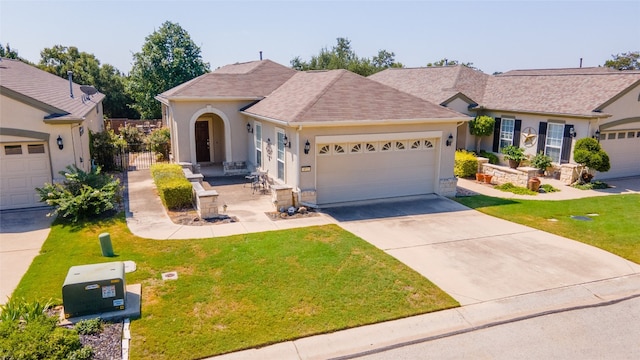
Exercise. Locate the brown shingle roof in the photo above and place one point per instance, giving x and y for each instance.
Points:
(251, 80)
(569, 91)
(556, 94)
(47, 91)
(340, 95)
(436, 84)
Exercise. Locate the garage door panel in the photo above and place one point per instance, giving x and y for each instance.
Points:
(624, 155)
(371, 175)
(21, 173)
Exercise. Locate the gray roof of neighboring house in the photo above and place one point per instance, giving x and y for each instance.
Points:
(577, 92)
(251, 80)
(340, 95)
(46, 91)
(567, 94)
(436, 84)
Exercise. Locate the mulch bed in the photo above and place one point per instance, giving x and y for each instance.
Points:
(276, 216)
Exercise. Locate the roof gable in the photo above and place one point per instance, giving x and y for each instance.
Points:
(340, 95)
(252, 80)
(43, 90)
(437, 84)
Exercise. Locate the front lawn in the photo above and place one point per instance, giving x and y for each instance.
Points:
(614, 225)
(241, 291)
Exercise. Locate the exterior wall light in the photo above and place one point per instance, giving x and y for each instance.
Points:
(449, 140)
(59, 142)
(307, 147)
(596, 135)
(249, 128)
(572, 132)
(287, 143)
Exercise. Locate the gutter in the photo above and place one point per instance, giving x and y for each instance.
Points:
(355, 122)
(578, 116)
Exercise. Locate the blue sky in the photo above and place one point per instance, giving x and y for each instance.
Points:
(494, 36)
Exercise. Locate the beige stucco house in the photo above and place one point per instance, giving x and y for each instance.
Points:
(44, 127)
(329, 136)
(539, 110)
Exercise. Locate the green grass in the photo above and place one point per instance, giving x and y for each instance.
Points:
(616, 228)
(241, 291)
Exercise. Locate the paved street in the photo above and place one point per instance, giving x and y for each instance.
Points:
(601, 332)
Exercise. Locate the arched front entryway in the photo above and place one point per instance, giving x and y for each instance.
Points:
(210, 134)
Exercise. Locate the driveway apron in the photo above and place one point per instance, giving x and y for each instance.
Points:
(22, 233)
(475, 257)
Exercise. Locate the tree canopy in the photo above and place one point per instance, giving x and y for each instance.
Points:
(589, 153)
(168, 58)
(88, 71)
(481, 126)
(624, 61)
(342, 56)
(447, 62)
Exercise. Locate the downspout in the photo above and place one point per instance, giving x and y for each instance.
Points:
(296, 165)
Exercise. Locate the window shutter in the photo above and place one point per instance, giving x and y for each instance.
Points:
(542, 136)
(517, 125)
(565, 154)
(496, 135)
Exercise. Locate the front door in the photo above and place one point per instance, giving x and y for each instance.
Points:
(203, 153)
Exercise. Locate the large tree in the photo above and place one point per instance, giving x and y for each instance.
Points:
(87, 70)
(624, 61)
(342, 56)
(168, 58)
(9, 53)
(447, 62)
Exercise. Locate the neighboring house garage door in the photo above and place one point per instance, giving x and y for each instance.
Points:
(361, 170)
(623, 148)
(23, 167)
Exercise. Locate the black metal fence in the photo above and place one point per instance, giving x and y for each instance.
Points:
(131, 157)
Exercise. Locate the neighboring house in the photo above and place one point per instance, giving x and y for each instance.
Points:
(329, 136)
(539, 110)
(44, 127)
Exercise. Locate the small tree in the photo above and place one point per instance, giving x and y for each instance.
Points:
(159, 140)
(481, 126)
(589, 153)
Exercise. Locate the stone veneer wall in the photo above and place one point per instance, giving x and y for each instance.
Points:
(569, 173)
(282, 196)
(205, 201)
(503, 174)
(448, 187)
(307, 197)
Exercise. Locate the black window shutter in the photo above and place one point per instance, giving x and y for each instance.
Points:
(496, 135)
(516, 132)
(542, 136)
(565, 154)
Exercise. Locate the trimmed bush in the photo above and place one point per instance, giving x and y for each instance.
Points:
(173, 187)
(465, 164)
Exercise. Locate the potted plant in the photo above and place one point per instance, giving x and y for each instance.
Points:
(541, 162)
(514, 155)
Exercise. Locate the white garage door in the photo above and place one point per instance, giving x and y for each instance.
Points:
(623, 148)
(375, 169)
(23, 167)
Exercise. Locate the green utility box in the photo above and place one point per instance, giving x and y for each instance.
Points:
(94, 288)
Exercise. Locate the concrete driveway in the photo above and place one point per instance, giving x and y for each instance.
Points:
(472, 256)
(22, 233)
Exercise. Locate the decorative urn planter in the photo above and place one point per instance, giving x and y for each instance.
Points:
(514, 164)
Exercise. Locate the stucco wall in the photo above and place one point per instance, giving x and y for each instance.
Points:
(18, 115)
(627, 106)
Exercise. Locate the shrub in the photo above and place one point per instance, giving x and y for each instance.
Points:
(592, 186)
(481, 126)
(514, 153)
(548, 188)
(27, 332)
(82, 194)
(132, 136)
(173, 187)
(493, 158)
(465, 164)
(541, 161)
(509, 187)
(159, 140)
(104, 147)
(89, 327)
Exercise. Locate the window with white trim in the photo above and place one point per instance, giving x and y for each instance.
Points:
(370, 147)
(258, 144)
(553, 144)
(280, 158)
(386, 146)
(324, 150)
(507, 127)
(356, 148)
(338, 149)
